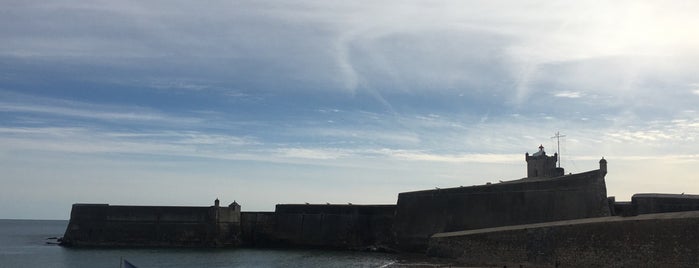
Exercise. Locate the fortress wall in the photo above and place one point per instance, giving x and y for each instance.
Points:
(660, 203)
(258, 228)
(334, 209)
(105, 225)
(228, 214)
(423, 213)
(340, 226)
(651, 240)
(623, 209)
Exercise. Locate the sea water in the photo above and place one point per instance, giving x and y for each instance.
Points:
(23, 243)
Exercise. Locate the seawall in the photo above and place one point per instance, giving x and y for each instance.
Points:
(423, 213)
(152, 226)
(320, 225)
(326, 226)
(651, 240)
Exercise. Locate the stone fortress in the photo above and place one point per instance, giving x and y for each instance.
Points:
(547, 219)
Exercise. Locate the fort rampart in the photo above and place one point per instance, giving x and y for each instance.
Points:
(424, 213)
(328, 226)
(659, 203)
(146, 226)
(315, 225)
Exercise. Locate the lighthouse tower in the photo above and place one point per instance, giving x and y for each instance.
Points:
(540, 165)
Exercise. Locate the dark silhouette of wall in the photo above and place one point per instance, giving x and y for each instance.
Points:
(660, 203)
(329, 226)
(258, 229)
(338, 226)
(162, 226)
(423, 213)
(406, 226)
(651, 240)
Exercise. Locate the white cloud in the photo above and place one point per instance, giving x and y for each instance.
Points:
(461, 158)
(568, 94)
(321, 154)
(397, 137)
(364, 45)
(92, 141)
(74, 109)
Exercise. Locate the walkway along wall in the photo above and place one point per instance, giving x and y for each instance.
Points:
(650, 240)
(424, 213)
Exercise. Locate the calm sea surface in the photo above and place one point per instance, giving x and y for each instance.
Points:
(23, 244)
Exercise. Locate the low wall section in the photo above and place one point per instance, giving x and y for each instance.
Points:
(651, 240)
(660, 203)
(339, 226)
(423, 213)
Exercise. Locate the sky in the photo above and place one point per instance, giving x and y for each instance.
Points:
(270, 102)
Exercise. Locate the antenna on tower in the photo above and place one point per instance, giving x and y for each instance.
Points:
(558, 137)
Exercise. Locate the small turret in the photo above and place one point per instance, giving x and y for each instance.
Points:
(603, 166)
(217, 203)
(235, 206)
